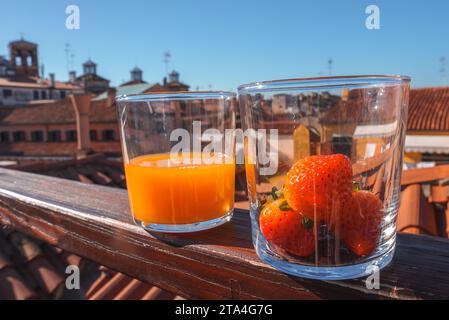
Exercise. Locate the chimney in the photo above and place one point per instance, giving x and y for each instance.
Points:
(345, 94)
(110, 100)
(81, 104)
(52, 80)
(72, 76)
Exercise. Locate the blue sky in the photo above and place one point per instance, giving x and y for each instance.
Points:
(227, 43)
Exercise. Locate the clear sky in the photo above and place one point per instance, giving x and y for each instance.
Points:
(227, 43)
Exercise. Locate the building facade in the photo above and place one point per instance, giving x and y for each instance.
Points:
(50, 129)
(90, 81)
(20, 82)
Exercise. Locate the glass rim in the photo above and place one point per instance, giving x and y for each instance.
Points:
(323, 82)
(175, 95)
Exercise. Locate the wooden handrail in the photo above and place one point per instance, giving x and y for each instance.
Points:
(423, 175)
(94, 222)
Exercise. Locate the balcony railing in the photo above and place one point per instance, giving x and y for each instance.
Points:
(94, 222)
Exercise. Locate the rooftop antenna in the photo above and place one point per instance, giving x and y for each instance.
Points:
(329, 65)
(72, 59)
(166, 60)
(67, 56)
(443, 70)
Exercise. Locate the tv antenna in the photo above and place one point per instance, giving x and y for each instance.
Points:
(329, 65)
(443, 70)
(69, 57)
(167, 57)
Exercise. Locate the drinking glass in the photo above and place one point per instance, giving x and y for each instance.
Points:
(178, 153)
(323, 164)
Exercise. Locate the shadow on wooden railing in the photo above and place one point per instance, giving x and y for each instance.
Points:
(94, 222)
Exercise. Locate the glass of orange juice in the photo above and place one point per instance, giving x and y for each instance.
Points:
(178, 153)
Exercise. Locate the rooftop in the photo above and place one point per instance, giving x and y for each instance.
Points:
(130, 89)
(56, 112)
(41, 84)
(429, 110)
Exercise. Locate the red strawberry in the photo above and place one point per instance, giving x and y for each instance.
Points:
(287, 229)
(319, 186)
(361, 222)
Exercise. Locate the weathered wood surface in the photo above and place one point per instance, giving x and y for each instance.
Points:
(95, 222)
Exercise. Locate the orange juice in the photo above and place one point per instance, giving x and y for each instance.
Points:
(164, 192)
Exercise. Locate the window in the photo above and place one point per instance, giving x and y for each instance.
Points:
(70, 135)
(18, 136)
(62, 94)
(54, 136)
(43, 95)
(4, 136)
(342, 144)
(37, 136)
(22, 95)
(7, 93)
(93, 135)
(160, 126)
(108, 135)
(36, 95)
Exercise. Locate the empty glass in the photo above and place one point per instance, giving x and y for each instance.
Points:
(323, 161)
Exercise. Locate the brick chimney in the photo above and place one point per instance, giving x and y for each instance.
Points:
(81, 104)
(52, 85)
(52, 80)
(112, 92)
(72, 76)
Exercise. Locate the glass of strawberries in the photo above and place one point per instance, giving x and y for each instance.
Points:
(323, 160)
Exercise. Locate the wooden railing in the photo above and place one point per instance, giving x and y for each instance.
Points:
(425, 175)
(95, 222)
(425, 212)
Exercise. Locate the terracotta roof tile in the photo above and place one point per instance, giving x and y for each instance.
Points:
(353, 109)
(12, 287)
(112, 288)
(429, 109)
(28, 249)
(47, 277)
(4, 262)
(94, 169)
(156, 293)
(91, 77)
(99, 283)
(133, 291)
(32, 269)
(42, 84)
(57, 112)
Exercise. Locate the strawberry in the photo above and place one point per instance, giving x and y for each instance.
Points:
(287, 229)
(361, 222)
(319, 186)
